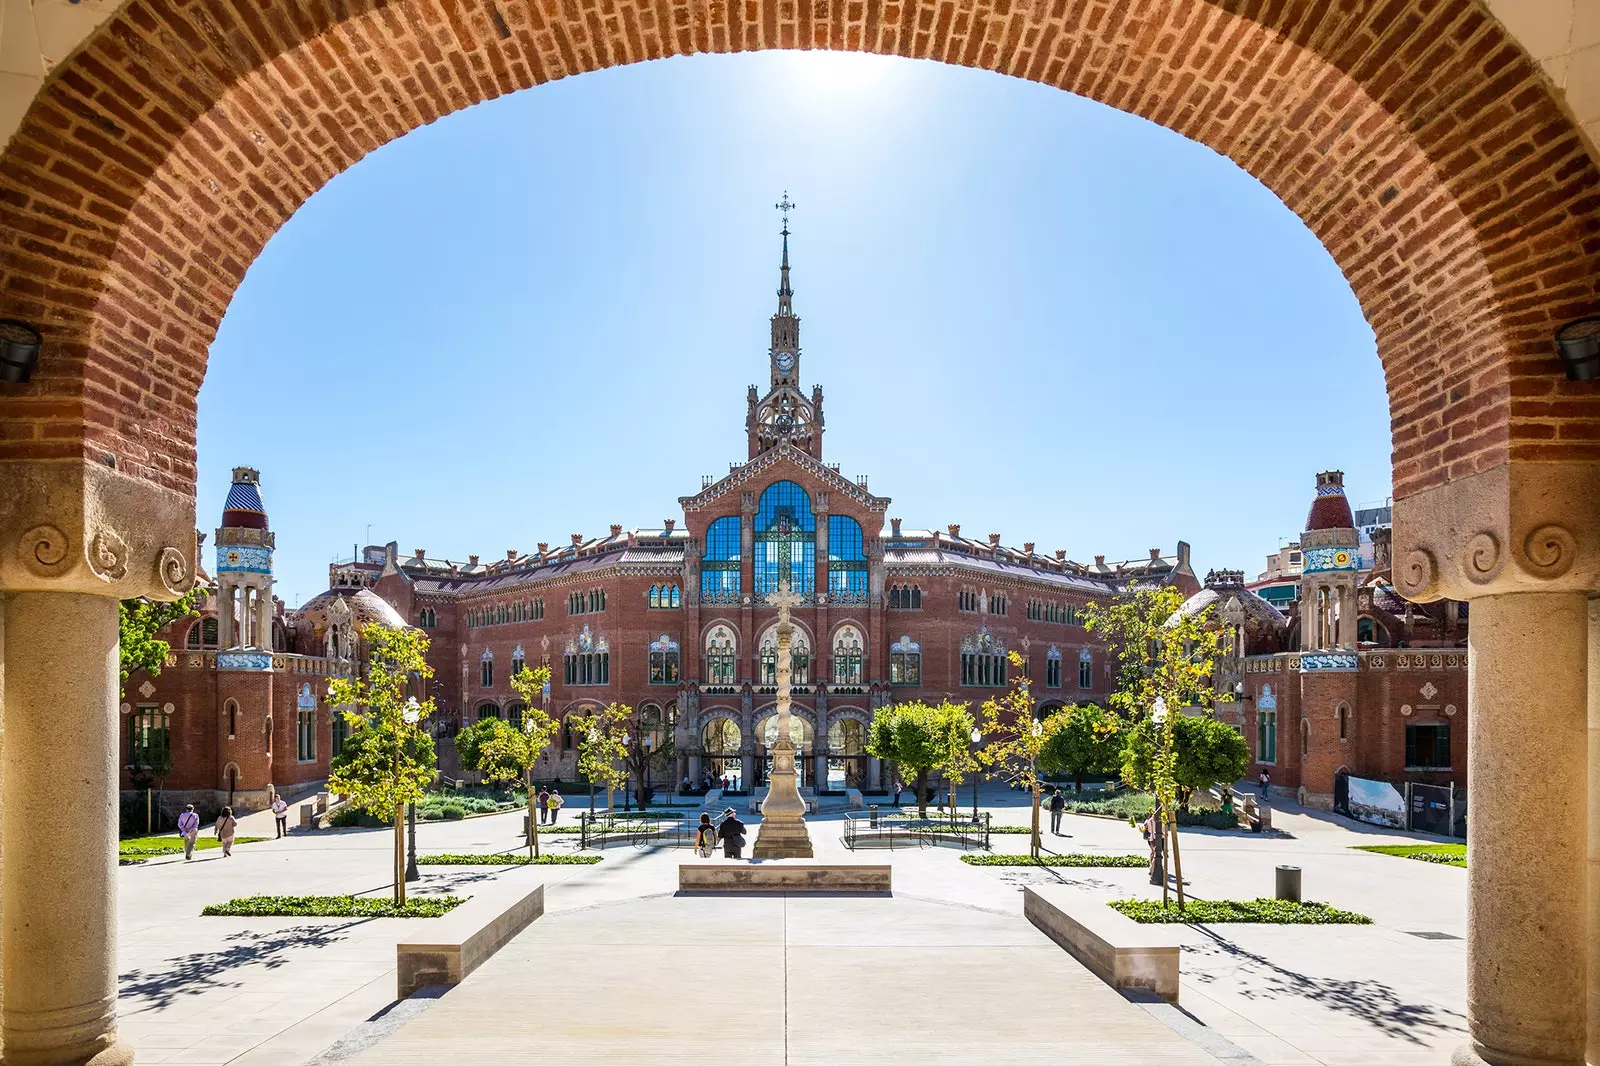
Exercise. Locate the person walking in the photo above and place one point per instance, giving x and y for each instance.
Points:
(544, 804)
(705, 837)
(227, 826)
(280, 812)
(188, 829)
(1058, 804)
(554, 802)
(731, 832)
(1155, 836)
(1266, 781)
(898, 788)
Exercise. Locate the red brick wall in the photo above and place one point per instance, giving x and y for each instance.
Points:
(1417, 140)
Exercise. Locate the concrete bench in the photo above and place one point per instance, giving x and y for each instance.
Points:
(459, 942)
(783, 877)
(1120, 951)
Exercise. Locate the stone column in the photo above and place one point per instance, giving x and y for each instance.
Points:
(819, 780)
(1527, 907)
(225, 617)
(874, 772)
(694, 769)
(1594, 829)
(58, 894)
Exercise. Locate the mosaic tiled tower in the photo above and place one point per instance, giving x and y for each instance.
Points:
(244, 662)
(1329, 665)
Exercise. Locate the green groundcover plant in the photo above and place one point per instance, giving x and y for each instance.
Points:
(1076, 859)
(1443, 854)
(1265, 911)
(333, 907)
(506, 859)
(147, 847)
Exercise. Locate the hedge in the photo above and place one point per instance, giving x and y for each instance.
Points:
(333, 907)
(1075, 859)
(1269, 911)
(501, 858)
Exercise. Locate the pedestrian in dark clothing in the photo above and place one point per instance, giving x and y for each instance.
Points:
(1058, 804)
(731, 832)
(544, 805)
(1155, 835)
(1266, 782)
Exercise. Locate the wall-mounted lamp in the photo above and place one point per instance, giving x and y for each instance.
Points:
(1578, 344)
(19, 351)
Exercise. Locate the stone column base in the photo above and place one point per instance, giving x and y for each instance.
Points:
(782, 838)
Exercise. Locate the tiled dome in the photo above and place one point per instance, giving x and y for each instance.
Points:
(1330, 509)
(243, 508)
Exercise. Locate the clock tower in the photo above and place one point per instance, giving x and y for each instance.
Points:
(785, 414)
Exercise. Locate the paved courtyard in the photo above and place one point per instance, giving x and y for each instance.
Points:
(946, 970)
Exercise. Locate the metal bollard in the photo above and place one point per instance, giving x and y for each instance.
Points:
(1288, 883)
(872, 816)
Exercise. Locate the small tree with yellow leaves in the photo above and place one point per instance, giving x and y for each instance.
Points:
(601, 738)
(1013, 739)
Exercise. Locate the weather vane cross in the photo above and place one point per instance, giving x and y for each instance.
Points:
(785, 205)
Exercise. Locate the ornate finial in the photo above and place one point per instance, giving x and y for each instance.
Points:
(785, 205)
(784, 599)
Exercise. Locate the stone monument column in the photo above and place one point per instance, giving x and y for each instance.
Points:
(75, 537)
(782, 834)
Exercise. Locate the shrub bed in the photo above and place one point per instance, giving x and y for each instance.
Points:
(1129, 805)
(1443, 854)
(1208, 819)
(333, 907)
(1269, 911)
(1075, 859)
(502, 858)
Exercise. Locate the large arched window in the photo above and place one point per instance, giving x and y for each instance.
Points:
(587, 660)
(799, 658)
(847, 560)
(786, 541)
(719, 567)
(203, 634)
(488, 710)
(905, 662)
(514, 714)
(721, 656)
(983, 660)
(486, 669)
(663, 661)
(305, 725)
(519, 660)
(1052, 667)
(847, 656)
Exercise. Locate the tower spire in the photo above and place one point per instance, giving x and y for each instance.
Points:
(785, 293)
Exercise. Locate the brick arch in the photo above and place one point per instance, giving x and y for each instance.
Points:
(1418, 141)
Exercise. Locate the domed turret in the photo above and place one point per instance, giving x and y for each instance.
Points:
(1329, 508)
(243, 508)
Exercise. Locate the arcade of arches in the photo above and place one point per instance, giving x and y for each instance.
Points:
(1421, 142)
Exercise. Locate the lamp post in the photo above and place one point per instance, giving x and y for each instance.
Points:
(594, 736)
(627, 774)
(977, 739)
(412, 715)
(644, 786)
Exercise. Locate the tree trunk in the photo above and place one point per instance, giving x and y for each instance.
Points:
(1077, 782)
(533, 823)
(400, 855)
(1177, 862)
(922, 793)
(1034, 842)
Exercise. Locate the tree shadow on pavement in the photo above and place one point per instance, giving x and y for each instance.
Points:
(203, 971)
(1369, 1000)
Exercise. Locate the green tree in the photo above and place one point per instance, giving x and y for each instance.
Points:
(648, 749)
(138, 622)
(1088, 742)
(1164, 659)
(538, 730)
(600, 742)
(388, 760)
(920, 737)
(1208, 753)
(1014, 738)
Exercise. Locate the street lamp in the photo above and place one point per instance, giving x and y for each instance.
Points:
(412, 715)
(627, 773)
(644, 786)
(977, 738)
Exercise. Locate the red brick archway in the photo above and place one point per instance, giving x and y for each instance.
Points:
(1415, 138)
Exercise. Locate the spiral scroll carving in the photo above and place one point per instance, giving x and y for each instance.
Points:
(1549, 551)
(172, 569)
(44, 550)
(108, 555)
(1417, 574)
(1481, 561)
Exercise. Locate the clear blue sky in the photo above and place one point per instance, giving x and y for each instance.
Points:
(1032, 315)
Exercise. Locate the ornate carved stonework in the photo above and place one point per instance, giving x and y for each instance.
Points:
(1523, 527)
(80, 526)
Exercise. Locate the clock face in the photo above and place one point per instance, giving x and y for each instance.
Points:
(785, 361)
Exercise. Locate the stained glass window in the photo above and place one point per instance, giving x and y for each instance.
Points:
(786, 540)
(719, 569)
(847, 559)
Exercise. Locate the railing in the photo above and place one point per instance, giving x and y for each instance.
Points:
(645, 829)
(880, 828)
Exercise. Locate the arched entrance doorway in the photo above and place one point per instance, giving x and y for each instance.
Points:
(720, 745)
(803, 734)
(1420, 142)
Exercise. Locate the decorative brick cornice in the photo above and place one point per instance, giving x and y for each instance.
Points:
(772, 457)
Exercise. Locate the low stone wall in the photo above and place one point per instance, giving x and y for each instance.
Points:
(783, 876)
(461, 941)
(1120, 951)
